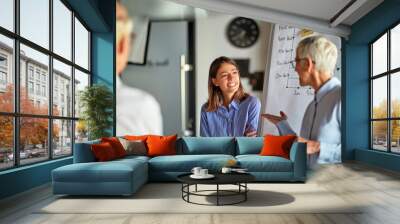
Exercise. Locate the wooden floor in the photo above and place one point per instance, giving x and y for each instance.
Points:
(377, 188)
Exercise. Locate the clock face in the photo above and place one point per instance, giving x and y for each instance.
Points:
(242, 32)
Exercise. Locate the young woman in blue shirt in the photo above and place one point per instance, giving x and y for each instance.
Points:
(229, 111)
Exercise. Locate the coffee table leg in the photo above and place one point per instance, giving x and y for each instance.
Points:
(196, 188)
(217, 194)
(245, 191)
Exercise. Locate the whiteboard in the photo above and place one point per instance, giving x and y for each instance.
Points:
(282, 91)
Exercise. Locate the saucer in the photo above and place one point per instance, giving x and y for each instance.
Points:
(208, 176)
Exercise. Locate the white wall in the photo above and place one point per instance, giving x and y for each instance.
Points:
(211, 42)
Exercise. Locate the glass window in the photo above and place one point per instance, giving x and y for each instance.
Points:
(385, 94)
(3, 60)
(30, 87)
(6, 72)
(30, 72)
(395, 47)
(33, 140)
(62, 138)
(62, 75)
(62, 29)
(395, 136)
(395, 95)
(81, 82)
(379, 135)
(7, 14)
(379, 97)
(34, 54)
(379, 56)
(34, 21)
(6, 142)
(81, 45)
(40, 62)
(81, 131)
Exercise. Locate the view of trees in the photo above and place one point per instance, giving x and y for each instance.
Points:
(34, 131)
(380, 127)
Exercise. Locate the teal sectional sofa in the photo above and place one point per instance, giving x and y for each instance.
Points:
(125, 176)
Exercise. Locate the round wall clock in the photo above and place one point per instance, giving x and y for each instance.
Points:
(242, 32)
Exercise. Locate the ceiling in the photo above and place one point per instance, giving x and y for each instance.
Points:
(322, 15)
(318, 15)
(320, 9)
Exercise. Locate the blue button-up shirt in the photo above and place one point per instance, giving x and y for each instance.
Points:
(234, 120)
(322, 122)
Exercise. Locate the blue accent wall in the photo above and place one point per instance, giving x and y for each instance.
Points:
(356, 94)
(24, 178)
(99, 15)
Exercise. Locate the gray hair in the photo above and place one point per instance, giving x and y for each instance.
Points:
(321, 50)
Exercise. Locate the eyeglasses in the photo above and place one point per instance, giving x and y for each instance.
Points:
(297, 60)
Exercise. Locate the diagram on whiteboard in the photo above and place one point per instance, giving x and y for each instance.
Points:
(283, 90)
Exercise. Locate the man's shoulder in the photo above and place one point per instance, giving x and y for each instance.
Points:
(135, 95)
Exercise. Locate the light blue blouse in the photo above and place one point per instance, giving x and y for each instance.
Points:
(238, 118)
(322, 122)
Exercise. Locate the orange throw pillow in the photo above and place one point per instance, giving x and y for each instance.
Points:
(136, 137)
(277, 145)
(161, 145)
(103, 151)
(116, 145)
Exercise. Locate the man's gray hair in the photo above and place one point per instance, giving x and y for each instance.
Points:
(321, 51)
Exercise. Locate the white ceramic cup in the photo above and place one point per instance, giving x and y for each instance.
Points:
(196, 170)
(226, 170)
(203, 172)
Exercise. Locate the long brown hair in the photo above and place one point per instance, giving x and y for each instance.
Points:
(215, 96)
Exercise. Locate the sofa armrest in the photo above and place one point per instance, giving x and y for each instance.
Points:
(298, 155)
(83, 152)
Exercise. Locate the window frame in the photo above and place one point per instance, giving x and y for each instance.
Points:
(16, 115)
(388, 74)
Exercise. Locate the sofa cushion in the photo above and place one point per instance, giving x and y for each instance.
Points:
(277, 145)
(103, 152)
(116, 145)
(206, 145)
(257, 163)
(185, 163)
(134, 147)
(111, 171)
(161, 145)
(246, 145)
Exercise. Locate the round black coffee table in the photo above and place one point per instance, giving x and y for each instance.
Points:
(238, 179)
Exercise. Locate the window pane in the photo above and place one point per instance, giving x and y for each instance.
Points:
(62, 138)
(81, 131)
(395, 129)
(6, 142)
(81, 81)
(379, 55)
(379, 97)
(62, 29)
(395, 47)
(379, 135)
(33, 140)
(7, 14)
(81, 45)
(395, 95)
(35, 21)
(6, 74)
(62, 89)
(34, 80)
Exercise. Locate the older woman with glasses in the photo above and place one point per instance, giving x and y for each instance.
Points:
(315, 63)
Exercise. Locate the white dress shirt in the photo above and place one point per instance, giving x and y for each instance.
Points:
(322, 122)
(138, 112)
